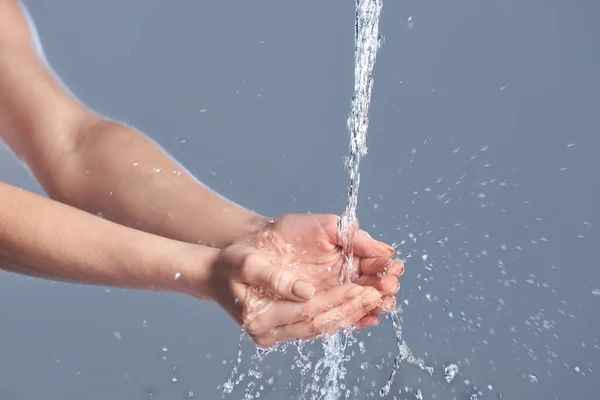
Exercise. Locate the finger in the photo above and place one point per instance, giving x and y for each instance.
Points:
(288, 312)
(328, 322)
(331, 226)
(380, 265)
(259, 271)
(368, 321)
(388, 285)
(348, 321)
(364, 244)
(387, 304)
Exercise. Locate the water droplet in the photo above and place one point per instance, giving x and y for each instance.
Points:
(450, 372)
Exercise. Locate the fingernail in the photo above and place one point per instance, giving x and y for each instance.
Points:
(395, 267)
(397, 287)
(387, 246)
(303, 290)
(355, 291)
(370, 299)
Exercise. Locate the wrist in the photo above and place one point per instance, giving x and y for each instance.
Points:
(239, 226)
(191, 269)
(256, 223)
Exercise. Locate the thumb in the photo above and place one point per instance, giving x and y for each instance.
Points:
(258, 271)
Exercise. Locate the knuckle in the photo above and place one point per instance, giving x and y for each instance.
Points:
(304, 312)
(250, 260)
(255, 326)
(331, 220)
(274, 277)
(279, 280)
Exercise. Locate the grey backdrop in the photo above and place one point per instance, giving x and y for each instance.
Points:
(252, 96)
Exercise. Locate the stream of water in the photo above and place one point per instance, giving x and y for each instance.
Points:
(366, 44)
(332, 386)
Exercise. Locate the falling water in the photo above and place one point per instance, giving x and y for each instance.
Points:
(404, 354)
(366, 44)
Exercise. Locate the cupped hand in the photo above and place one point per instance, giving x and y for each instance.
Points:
(311, 244)
(274, 305)
(281, 283)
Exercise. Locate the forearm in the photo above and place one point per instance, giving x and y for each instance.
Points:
(118, 172)
(97, 165)
(43, 238)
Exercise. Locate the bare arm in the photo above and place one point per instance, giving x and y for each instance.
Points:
(96, 164)
(47, 239)
(44, 238)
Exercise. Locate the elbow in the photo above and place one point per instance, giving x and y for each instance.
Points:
(60, 165)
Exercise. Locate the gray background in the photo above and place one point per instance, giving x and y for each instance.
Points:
(259, 91)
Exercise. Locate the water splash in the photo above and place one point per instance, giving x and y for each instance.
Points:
(230, 384)
(450, 372)
(404, 354)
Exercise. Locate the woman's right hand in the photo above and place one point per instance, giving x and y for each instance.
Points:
(274, 305)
